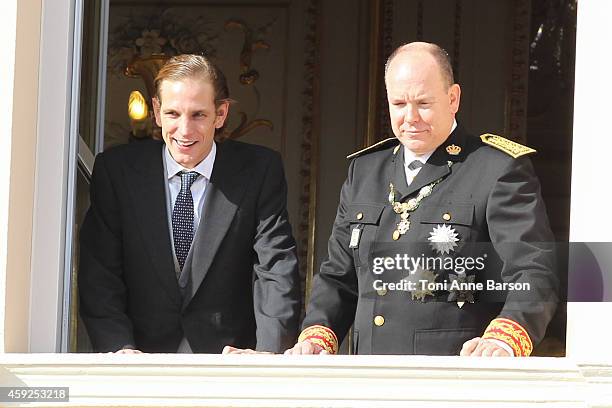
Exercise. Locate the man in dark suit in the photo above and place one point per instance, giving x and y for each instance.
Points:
(429, 196)
(186, 246)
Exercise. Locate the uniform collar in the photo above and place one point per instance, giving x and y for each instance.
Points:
(409, 156)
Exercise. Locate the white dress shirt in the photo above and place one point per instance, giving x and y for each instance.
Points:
(409, 157)
(198, 188)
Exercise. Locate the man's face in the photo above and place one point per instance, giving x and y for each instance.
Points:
(421, 105)
(188, 118)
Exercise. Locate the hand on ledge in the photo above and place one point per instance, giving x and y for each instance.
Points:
(306, 347)
(234, 350)
(478, 347)
(128, 351)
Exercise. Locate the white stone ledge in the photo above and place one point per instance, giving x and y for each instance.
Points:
(311, 381)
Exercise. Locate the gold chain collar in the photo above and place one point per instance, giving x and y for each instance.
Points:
(405, 209)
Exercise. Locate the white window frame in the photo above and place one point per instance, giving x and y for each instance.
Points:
(55, 182)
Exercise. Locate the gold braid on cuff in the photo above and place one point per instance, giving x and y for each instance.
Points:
(511, 333)
(321, 336)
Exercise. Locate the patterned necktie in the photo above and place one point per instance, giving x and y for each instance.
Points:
(182, 217)
(415, 164)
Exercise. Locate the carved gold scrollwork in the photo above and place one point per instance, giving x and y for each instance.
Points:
(245, 127)
(147, 69)
(248, 75)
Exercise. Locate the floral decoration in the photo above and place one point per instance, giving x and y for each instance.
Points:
(144, 35)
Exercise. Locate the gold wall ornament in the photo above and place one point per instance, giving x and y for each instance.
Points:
(142, 46)
(248, 75)
(251, 44)
(245, 127)
(159, 31)
(147, 69)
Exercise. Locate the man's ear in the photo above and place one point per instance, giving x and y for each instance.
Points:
(222, 112)
(454, 93)
(157, 110)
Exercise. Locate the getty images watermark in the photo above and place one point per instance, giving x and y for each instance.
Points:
(419, 274)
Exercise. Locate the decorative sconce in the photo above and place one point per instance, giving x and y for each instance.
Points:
(138, 111)
(147, 69)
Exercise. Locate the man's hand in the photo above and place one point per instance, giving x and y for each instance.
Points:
(478, 347)
(234, 350)
(306, 347)
(128, 351)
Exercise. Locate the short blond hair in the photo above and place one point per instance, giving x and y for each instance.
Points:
(193, 66)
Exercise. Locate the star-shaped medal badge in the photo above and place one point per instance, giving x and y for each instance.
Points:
(421, 279)
(443, 239)
(460, 291)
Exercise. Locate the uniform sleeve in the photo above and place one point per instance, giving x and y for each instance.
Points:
(277, 298)
(519, 230)
(335, 289)
(102, 291)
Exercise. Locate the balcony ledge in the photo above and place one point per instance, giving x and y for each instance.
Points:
(313, 381)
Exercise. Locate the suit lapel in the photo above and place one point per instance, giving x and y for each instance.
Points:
(398, 175)
(223, 195)
(146, 181)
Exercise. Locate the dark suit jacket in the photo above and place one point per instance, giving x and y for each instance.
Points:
(491, 198)
(244, 287)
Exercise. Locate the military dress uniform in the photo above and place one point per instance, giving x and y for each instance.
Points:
(471, 190)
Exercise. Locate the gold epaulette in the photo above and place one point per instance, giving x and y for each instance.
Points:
(322, 336)
(375, 147)
(508, 146)
(511, 333)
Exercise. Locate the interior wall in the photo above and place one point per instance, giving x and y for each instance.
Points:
(343, 104)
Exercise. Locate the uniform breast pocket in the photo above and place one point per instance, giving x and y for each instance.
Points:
(364, 220)
(447, 220)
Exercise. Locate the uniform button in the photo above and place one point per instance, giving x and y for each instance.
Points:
(446, 217)
(379, 320)
(381, 292)
(359, 216)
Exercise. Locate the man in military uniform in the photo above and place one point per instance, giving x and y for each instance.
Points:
(433, 187)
